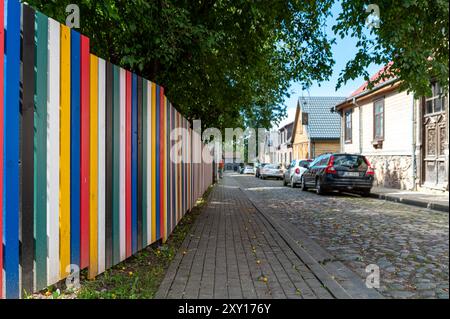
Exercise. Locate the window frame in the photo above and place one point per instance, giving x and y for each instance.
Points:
(348, 139)
(433, 98)
(375, 137)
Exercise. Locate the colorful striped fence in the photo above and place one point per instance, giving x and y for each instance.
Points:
(86, 176)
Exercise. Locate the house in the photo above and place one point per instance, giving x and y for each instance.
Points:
(316, 127)
(283, 149)
(404, 138)
(269, 154)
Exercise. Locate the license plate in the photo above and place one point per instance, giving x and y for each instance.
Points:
(351, 174)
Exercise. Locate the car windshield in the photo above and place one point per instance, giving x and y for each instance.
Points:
(350, 161)
(303, 163)
(273, 166)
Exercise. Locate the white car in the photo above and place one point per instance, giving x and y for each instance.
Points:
(272, 170)
(294, 172)
(249, 170)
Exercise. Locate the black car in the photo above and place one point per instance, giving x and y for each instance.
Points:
(340, 172)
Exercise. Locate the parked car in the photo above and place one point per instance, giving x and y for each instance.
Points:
(294, 172)
(341, 172)
(258, 169)
(272, 171)
(249, 170)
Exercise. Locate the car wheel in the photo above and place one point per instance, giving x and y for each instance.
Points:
(303, 183)
(292, 182)
(365, 193)
(319, 187)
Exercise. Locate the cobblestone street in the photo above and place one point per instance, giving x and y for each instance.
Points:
(409, 244)
(258, 239)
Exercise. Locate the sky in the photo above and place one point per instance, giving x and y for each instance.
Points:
(343, 51)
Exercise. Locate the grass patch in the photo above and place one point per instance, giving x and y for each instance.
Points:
(139, 276)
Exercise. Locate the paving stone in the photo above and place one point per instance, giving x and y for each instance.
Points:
(233, 253)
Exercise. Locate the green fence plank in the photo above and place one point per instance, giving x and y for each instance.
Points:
(40, 163)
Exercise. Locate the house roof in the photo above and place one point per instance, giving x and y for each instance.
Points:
(322, 123)
(288, 127)
(377, 78)
(388, 81)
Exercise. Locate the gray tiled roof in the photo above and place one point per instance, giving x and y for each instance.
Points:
(322, 123)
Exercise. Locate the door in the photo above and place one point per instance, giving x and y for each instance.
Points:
(435, 139)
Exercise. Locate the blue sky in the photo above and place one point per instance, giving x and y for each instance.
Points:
(343, 51)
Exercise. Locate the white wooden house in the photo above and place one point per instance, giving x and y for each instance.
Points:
(404, 138)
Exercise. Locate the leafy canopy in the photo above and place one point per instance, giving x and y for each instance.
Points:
(412, 34)
(230, 62)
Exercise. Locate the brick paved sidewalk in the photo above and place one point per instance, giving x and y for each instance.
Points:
(234, 252)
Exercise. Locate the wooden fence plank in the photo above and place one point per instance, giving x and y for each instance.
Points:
(65, 121)
(40, 165)
(11, 151)
(84, 152)
(2, 92)
(75, 165)
(93, 168)
(134, 162)
(122, 153)
(27, 151)
(101, 164)
(128, 164)
(158, 163)
(149, 163)
(139, 180)
(109, 167)
(116, 164)
(53, 141)
(153, 155)
(144, 161)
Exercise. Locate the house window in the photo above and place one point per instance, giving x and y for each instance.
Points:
(348, 126)
(435, 103)
(378, 117)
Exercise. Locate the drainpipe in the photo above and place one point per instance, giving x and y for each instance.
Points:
(360, 124)
(414, 139)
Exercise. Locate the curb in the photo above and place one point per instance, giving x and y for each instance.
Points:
(412, 202)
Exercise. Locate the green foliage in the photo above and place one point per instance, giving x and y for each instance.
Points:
(413, 34)
(223, 62)
(230, 62)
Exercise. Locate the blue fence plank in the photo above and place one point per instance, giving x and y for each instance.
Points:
(75, 47)
(11, 149)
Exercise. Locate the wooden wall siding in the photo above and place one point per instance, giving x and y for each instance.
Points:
(97, 182)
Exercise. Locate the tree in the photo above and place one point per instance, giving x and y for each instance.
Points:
(230, 62)
(226, 62)
(412, 34)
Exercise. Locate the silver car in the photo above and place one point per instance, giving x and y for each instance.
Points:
(294, 172)
(272, 171)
